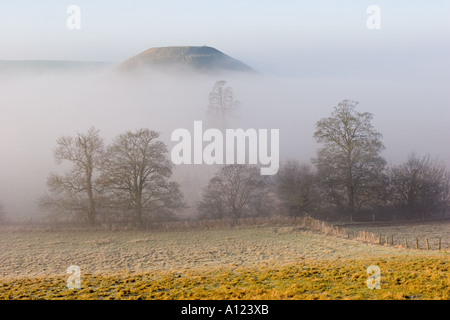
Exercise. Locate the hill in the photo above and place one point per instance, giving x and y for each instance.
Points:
(203, 59)
(49, 66)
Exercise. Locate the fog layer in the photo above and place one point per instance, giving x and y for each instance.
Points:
(37, 108)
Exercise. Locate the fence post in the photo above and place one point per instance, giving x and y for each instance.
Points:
(386, 240)
(417, 243)
(428, 246)
(439, 243)
(392, 240)
(406, 243)
(379, 239)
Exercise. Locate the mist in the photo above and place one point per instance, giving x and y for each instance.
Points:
(36, 108)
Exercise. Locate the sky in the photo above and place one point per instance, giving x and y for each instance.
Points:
(311, 54)
(277, 37)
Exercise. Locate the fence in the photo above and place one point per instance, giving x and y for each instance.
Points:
(370, 237)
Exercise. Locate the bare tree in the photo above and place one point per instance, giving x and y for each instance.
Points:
(349, 164)
(136, 174)
(75, 192)
(233, 192)
(420, 187)
(222, 103)
(297, 188)
(2, 213)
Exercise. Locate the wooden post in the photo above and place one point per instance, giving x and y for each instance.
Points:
(406, 243)
(337, 230)
(417, 243)
(392, 240)
(439, 243)
(365, 235)
(379, 239)
(428, 246)
(386, 240)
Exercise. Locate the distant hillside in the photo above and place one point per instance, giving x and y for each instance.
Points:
(203, 59)
(45, 66)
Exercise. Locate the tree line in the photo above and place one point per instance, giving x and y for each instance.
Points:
(348, 180)
(129, 181)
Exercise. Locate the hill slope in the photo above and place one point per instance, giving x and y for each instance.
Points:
(49, 66)
(204, 59)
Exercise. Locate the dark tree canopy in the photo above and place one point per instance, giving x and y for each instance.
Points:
(222, 103)
(76, 192)
(234, 192)
(297, 188)
(349, 163)
(420, 187)
(137, 172)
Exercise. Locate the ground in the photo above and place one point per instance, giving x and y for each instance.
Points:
(244, 262)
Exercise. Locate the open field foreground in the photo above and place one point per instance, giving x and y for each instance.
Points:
(252, 262)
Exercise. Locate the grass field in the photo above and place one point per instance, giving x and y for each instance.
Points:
(247, 262)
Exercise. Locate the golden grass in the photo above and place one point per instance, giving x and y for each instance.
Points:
(245, 262)
(401, 278)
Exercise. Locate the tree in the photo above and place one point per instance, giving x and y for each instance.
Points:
(420, 187)
(297, 188)
(76, 191)
(235, 191)
(221, 103)
(349, 165)
(2, 213)
(136, 175)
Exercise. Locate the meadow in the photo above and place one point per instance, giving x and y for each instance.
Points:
(262, 261)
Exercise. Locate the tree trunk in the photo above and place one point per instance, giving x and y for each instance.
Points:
(351, 202)
(139, 215)
(349, 186)
(91, 210)
(235, 213)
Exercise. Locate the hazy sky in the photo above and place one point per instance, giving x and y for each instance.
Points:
(277, 37)
(312, 55)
